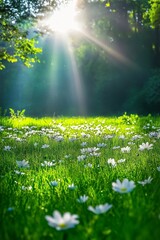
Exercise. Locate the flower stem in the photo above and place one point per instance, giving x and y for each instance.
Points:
(65, 236)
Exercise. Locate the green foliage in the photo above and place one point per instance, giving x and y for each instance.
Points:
(15, 45)
(154, 13)
(131, 119)
(17, 114)
(17, 20)
(152, 88)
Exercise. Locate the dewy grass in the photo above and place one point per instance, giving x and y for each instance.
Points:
(48, 165)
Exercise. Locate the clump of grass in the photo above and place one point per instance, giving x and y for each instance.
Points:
(75, 152)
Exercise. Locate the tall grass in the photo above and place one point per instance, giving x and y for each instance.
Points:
(27, 196)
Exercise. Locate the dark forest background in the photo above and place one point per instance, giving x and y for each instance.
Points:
(112, 84)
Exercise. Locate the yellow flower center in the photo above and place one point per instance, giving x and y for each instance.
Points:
(62, 225)
(123, 189)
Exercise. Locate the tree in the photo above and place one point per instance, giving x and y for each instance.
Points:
(154, 14)
(17, 41)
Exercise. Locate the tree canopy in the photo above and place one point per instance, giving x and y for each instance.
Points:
(17, 18)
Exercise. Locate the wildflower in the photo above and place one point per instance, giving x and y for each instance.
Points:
(101, 145)
(54, 183)
(144, 146)
(122, 137)
(112, 162)
(72, 139)
(19, 139)
(84, 150)
(19, 173)
(27, 188)
(82, 199)
(135, 137)
(7, 148)
(45, 146)
(158, 135)
(158, 168)
(121, 160)
(60, 161)
(146, 181)
(83, 144)
(88, 165)
(153, 134)
(108, 136)
(48, 164)
(22, 164)
(35, 144)
(84, 135)
(60, 222)
(92, 149)
(59, 138)
(98, 133)
(1, 128)
(72, 186)
(100, 208)
(95, 154)
(116, 147)
(81, 157)
(123, 187)
(126, 149)
(89, 150)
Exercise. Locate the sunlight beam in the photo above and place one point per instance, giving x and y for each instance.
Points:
(77, 81)
(117, 55)
(53, 77)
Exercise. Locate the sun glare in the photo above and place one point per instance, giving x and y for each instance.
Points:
(64, 19)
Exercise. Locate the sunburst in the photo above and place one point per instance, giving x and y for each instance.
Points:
(64, 19)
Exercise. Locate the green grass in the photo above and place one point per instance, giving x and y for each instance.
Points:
(133, 216)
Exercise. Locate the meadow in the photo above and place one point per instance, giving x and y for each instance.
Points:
(80, 178)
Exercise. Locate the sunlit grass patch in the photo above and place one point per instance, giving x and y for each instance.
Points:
(69, 164)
